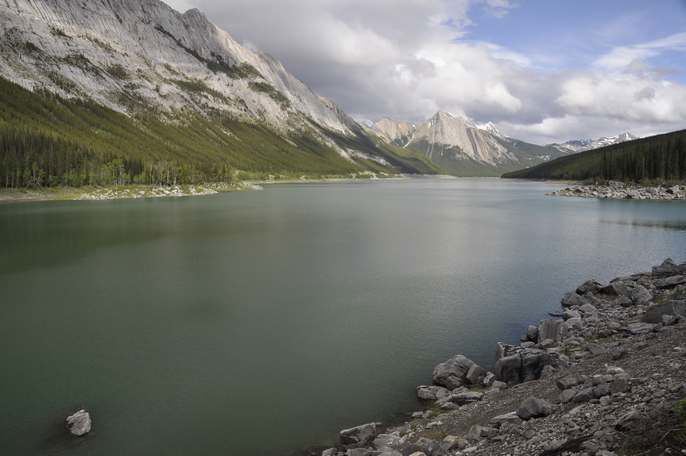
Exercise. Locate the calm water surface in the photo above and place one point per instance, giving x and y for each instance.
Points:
(259, 323)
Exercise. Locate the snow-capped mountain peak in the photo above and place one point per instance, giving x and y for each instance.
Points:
(581, 145)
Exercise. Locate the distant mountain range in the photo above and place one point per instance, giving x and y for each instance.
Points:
(581, 145)
(457, 145)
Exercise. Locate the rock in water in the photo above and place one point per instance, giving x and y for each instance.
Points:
(360, 435)
(79, 424)
(452, 373)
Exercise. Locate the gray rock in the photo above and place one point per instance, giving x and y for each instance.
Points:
(511, 417)
(569, 381)
(532, 333)
(601, 390)
(640, 295)
(534, 408)
(590, 286)
(670, 282)
(453, 443)
(478, 432)
(588, 309)
(619, 385)
(508, 369)
(573, 299)
(669, 320)
(432, 392)
(567, 395)
(533, 362)
(452, 372)
(466, 397)
(583, 395)
(79, 424)
(359, 452)
(360, 435)
(386, 442)
(655, 312)
(475, 375)
(330, 452)
(552, 329)
(666, 268)
(488, 379)
(640, 328)
(617, 353)
(569, 313)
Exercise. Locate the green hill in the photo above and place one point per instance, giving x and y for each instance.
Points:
(657, 158)
(50, 141)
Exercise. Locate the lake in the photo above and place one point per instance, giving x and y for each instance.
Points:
(260, 323)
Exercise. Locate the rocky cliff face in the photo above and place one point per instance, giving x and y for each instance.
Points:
(125, 54)
(460, 146)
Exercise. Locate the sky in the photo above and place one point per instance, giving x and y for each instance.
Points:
(542, 70)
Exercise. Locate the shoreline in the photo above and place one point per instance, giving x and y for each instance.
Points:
(123, 192)
(604, 376)
(623, 191)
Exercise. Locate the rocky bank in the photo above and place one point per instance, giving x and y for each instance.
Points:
(620, 190)
(604, 376)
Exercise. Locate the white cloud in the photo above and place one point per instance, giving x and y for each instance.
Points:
(626, 56)
(409, 58)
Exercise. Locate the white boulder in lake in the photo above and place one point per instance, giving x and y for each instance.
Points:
(79, 424)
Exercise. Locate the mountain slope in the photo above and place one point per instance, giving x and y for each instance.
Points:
(661, 158)
(457, 145)
(168, 77)
(581, 145)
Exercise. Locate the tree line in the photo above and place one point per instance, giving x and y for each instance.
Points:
(33, 159)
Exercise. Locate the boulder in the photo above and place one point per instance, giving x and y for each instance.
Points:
(640, 295)
(588, 309)
(432, 393)
(387, 442)
(569, 381)
(330, 452)
(669, 320)
(534, 408)
(453, 443)
(655, 312)
(532, 333)
(466, 397)
(508, 369)
(533, 362)
(361, 435)
(511, 417)
(79, 424)
(552, 329)
(478, 432)
(590, 286)
(475, 375)
(670, 282)
(668, 268)
(573, 299)
(640, 328)
(452, 372)
(583, 395)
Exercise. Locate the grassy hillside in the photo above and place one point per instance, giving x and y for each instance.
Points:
(658, 158)
(49, 141)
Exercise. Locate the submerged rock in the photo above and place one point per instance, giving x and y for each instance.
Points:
(79, 424)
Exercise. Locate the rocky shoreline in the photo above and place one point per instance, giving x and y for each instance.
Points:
(605, 376)
(620, 190)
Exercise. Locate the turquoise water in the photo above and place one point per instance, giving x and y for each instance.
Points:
(260, 323)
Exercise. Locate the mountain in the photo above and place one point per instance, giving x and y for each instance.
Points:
(656, 158)
(581, 145)
(137, 82)
(456, 145)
